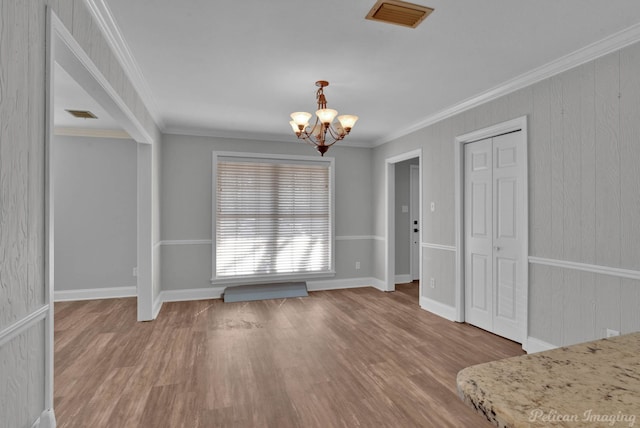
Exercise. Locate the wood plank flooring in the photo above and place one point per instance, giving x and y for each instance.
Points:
(343, 358)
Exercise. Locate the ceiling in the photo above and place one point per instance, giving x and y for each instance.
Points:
(69, 95)
(239, 68)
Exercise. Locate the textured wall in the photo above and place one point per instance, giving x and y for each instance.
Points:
(584, 195)
(22, 149)
(186, 205)
(95, 212)
(22, 65)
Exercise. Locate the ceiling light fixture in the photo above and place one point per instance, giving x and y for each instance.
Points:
(324, 133)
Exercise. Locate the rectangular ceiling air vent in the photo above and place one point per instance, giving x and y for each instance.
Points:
(399, 13)
(82, 114)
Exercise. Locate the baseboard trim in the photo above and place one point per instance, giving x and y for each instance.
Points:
(216, 292)
(94, 294)
(339, 284)
(47, 419)
(191, 294)
(534, 345)
(157, 306)
(403, 278)
(442, 310)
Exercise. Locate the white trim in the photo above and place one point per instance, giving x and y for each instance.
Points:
(23, 324)
(111, 32)
(94, 293)
(390, 222)
(536, 345)
(209, 241)
(191, 294)
(157, 305)
(256, 136)
(47, 419)
(588, 53)
(585, 267)
(358, 237)
(186, 242)
(441, 309)
(91, 133)
(341, 284)
(438, 246)
(52, 21)
(519, 123)
(404, 278)
(216, 292)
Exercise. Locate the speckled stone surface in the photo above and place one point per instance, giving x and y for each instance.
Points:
(593, 384)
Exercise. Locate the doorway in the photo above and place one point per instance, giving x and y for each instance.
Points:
(398, 212)
(65, 52)
(492, 229)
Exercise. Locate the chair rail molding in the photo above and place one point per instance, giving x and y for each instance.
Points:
(586, 267)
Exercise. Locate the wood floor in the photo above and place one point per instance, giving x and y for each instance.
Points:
(344, 358)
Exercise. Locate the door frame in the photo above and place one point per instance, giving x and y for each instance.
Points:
(64, 49)
(390, 224)
(518, 124)
(413, 204)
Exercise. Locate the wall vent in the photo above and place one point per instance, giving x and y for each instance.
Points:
(82, 114)
(399, 13)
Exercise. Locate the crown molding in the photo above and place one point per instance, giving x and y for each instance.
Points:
(109, 28)
(583, 55)
(255, 136)
(92, 133)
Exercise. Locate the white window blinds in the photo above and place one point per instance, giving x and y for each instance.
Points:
(273, 217)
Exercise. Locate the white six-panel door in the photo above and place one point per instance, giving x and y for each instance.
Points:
(494, 195)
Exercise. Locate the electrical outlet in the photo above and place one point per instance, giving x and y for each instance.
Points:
(135, 271)
(432, 283)
(357, 265)
(612, 333)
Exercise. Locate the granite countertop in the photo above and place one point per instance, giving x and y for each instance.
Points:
(593, 384)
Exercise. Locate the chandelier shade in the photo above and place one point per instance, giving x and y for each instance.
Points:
(326, 131)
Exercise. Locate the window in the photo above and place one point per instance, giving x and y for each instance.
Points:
(273, 217)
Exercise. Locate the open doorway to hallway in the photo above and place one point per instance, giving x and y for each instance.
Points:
(407, 229)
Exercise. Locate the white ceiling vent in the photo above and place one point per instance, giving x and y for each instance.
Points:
(399, 13)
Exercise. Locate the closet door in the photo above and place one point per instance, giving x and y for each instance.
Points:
(494, 210)
(478, 197)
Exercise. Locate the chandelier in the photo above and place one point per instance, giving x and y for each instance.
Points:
(324, 133)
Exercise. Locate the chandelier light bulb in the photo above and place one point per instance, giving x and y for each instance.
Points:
(347, 121)
(294, 126)
(326, 115)
(301, 118)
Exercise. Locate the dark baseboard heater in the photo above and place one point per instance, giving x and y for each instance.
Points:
(280, 290)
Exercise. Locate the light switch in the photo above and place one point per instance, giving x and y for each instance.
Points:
(433, 206)
(405, 208)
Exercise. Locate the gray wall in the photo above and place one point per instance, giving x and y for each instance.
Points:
(584, 195)
(402, 231)
(95, 212)
(22, 145)
(186, 205)
(22, 64)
